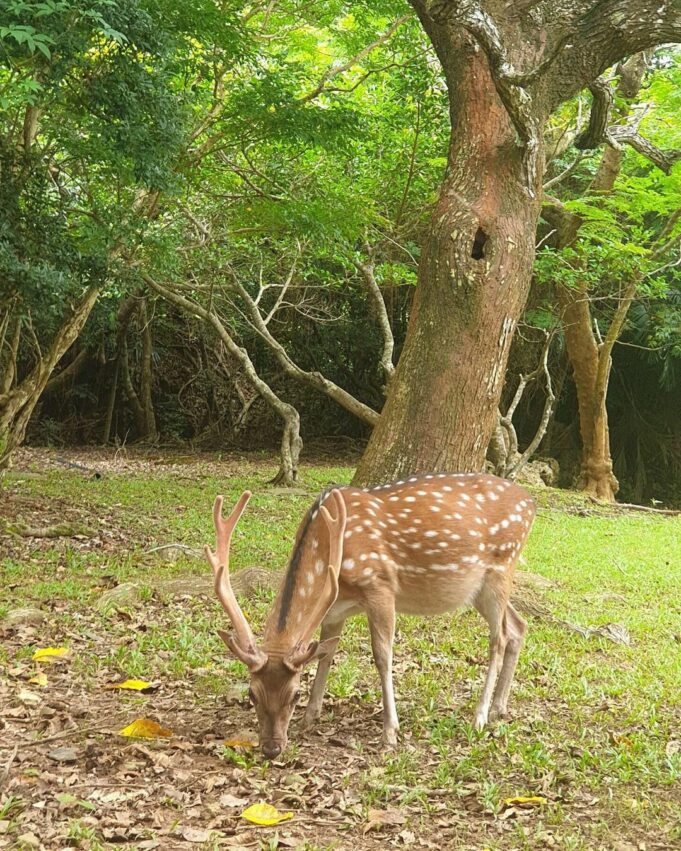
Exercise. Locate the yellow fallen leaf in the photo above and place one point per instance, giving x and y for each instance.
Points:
(39, 679)
(264, 814)
(133, 685)
(240, 743)
(145, 728)
(525, 802)
(47, 654)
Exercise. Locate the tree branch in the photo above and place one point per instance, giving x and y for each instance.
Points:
(626, 135)
(334, 70)
(599, 118)
(367, 271)
(290, 367)
(510, 83)
(291, 442)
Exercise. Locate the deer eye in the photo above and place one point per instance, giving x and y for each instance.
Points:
(251, 697)
(296, 696)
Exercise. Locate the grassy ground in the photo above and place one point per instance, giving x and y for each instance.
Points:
(596, 728)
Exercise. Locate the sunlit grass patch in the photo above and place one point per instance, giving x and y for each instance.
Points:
(593, 726)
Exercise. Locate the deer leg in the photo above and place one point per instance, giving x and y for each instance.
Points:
(330, 629)
(515, 633)
(491, 607)
(382, 628)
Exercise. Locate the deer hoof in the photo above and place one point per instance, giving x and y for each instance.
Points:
(389, 739)
(497, 713)
(480, 721)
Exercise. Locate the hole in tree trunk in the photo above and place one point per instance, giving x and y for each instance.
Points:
(479, 244)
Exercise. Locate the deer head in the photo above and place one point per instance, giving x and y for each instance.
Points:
(306, 595)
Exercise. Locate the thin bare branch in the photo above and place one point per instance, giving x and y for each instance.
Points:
(313, 379)
(367, 271)
(334, 70)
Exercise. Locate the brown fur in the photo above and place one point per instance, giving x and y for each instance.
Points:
(424, 546)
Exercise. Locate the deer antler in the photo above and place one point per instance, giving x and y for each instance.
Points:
(304, 650)
(242, 643)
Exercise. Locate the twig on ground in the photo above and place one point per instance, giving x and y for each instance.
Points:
(6, 770)
(632, 506)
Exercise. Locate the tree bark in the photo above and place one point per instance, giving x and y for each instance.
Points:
(473, 281)
(596, 475)
(9, 372)
(507, 67)
(146, 374)
(17, 406)
(62, 380)
(589, 358)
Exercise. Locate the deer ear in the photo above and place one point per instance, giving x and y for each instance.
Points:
(253, 657)
(326, 648)
(298, 658)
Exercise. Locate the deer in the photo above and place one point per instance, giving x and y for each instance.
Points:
(423, 545)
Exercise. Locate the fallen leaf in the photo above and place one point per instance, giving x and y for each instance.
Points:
(63, 754)
(69, 800)
(525, 802)
(265, 814)
(195, 834)
(673, 747)
(145, 728)
(30, 697)
(240, 743)
(49, 654)
(39, 679)
(229, 800)
(378, 818)
(622, 740)
(134, 685)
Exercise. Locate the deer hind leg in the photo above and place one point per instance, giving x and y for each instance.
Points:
(382, 628)
(492, 605)
(330, 629)
(515, 628)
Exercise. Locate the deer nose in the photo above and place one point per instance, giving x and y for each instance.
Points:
(271, 750)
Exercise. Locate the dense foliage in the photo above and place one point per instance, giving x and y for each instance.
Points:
(269, 155)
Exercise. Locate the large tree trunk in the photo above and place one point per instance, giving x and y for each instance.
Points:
(591, 360)
(508, 66)
(596, 475)
(473, 281)
(18, 404)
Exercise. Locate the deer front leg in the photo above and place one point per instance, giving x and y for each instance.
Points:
(382, 628)
(330, 629)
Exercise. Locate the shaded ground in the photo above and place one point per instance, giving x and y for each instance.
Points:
(596, 729)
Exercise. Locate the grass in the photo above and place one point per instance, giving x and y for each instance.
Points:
(595, 728)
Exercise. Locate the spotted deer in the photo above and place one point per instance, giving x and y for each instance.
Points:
(422, 546)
